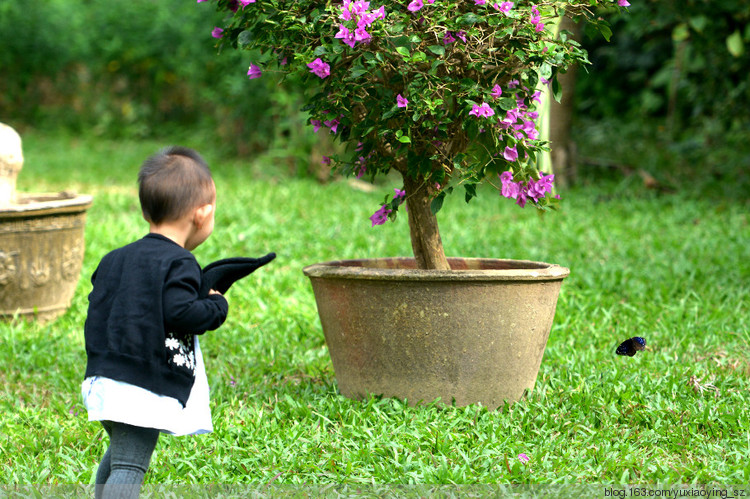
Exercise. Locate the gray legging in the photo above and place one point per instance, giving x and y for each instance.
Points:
(121, 471)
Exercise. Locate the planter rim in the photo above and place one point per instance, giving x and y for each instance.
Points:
(38, 204)
(462, 269)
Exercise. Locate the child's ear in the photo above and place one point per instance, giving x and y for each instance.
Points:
(202, 213)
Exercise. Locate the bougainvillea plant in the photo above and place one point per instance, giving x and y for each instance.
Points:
(445, 92)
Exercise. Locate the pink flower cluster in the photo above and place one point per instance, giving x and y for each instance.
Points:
(381, 216)
(319, 68)
(520, 120)
(358, 12)
(449, 37)
(536, 19)
(504, 7)
(332, 124)
(482, 111)
(523, 191)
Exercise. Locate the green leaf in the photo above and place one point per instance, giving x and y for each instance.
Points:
(437, 49)
(321, 50)
(698, 23)
(398, 27)
(358, 71)
(735, 45)
(403, 51)
(470, 18)
(545, 71)
(437, 203)
(404, 139)
(681, 32)
(556, 89)
(605, 31)
(471, 191)
(507, 103)
(245, 38)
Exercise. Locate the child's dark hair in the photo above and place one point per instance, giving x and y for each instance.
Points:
(173, 181)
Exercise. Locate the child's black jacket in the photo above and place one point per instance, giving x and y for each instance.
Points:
(143, 312)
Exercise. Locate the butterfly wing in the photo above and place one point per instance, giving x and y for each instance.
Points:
(639, 343)
(630, 346)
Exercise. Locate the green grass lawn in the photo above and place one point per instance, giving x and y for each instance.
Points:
(674, 268)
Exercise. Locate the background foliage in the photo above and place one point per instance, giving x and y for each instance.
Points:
(139, 68)
(684, 60)
(142, 68)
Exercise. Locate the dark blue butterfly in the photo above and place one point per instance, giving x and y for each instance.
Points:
(630, 346)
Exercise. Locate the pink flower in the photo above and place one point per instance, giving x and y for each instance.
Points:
(380, 216)
(361, 35)
(535, 17)
(398, 193)
(245, 3)
(254, 72)
(484, 110)
(496, 92)
(401, 101)
(325, 161)
(529, 127)
(521, 199)
(319, 68)
(461, 35)
(623, 3)
(524, 458)
(504, 7)
(476, 2)
(362, 167)
(415, 6)
(510, 153)
(513, 83)
(346, 35)
(217, 32)
(332, 124)
(448, 38)
(510, 189)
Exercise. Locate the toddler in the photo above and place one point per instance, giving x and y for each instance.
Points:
(145, 372)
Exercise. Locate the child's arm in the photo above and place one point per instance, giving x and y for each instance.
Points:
(184, 311)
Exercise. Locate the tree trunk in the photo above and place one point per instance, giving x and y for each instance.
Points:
(562, 148)
(423, 227)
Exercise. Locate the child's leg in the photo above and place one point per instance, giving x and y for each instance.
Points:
(102, 473)
(129, 454)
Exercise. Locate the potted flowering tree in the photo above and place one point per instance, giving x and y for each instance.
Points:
(444, 92)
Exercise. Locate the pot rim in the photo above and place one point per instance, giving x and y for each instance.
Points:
(41, 204)
(463, 269)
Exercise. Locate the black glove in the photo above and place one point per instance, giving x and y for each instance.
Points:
(221, 274)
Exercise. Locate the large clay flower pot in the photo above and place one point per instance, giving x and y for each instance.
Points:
(475, 334)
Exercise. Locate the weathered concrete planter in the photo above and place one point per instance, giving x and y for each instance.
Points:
(41, 241)
(41, 252)
(475, 334)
